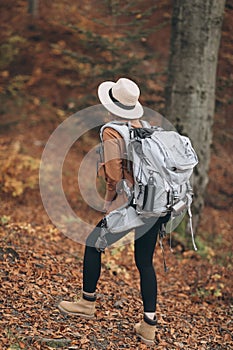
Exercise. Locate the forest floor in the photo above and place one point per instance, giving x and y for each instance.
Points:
(45, 71)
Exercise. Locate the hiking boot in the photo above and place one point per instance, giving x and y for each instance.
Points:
(84, 307)
(146, 330)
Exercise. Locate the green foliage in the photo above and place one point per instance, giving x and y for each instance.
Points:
(118, 8)
(114, 54)
(181, 228)
(208, 244)
(205, 245)
(10, 49)
(182, 236)
(4, 219)
(117, 250)
(15, 346)
(214, 287)
(107, 47)
(16, 84)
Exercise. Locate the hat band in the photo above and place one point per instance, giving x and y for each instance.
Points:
(118, 103)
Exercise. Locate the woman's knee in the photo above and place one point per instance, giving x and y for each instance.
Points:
(143, 261)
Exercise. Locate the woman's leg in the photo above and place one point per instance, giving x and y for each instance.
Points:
(92, 258)
(91, 269)
(144, 250)
(91, 261)
(85, 306)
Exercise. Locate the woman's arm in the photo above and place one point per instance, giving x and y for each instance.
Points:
(113, 143)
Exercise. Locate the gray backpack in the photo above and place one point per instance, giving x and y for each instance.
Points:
(162, 163)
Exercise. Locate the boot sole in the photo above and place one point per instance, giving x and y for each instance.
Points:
(75, 313)
(146, 341)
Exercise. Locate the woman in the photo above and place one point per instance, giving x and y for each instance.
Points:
(121, 100)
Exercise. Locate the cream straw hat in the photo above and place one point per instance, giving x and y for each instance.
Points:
(121, 98)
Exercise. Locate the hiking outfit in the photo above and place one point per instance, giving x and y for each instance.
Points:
(121, 99)
(144, 247)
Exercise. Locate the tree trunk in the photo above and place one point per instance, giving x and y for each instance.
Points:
(190, 90)
(33, 7)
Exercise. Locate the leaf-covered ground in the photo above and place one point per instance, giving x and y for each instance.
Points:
(39, 267)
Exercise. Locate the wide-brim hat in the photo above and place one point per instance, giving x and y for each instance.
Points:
(121, 98)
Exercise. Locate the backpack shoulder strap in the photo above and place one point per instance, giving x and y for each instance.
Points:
(145, 124)
(120, 127)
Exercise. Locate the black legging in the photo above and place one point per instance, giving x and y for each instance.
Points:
(144, 245)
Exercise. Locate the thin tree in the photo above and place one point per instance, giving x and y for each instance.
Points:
(33, 7)
(190, 90)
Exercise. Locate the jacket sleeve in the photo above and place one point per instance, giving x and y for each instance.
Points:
(113, 162)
